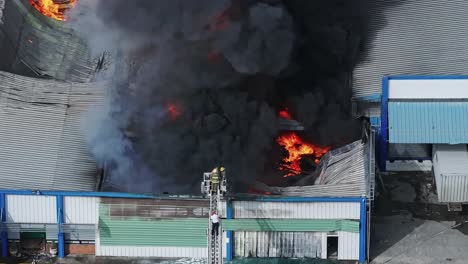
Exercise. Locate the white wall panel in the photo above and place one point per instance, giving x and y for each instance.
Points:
(348, 246)
(80, 210)
(167, 252)
(31, 209)
(428, 89)
(296, 210)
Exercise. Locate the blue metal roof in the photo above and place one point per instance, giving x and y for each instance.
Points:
(428, 122)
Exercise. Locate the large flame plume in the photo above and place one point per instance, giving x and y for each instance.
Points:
(296, 148)
(52, 9)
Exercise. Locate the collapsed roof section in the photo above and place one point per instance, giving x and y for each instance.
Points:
(42, 145)
(342, 172)
(38, 46)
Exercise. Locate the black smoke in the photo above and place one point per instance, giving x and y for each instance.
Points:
(199, 83)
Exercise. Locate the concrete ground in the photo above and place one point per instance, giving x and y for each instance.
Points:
(409, 226)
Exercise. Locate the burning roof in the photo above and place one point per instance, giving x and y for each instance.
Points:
(35, 45)
(342, 172)
(210, 91)
(53, 8)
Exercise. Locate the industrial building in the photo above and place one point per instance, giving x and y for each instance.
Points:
(411, 84)
(116, 224)
(49, 181)
(328, 220)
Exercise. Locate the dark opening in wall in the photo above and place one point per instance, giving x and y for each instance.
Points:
(332, 247)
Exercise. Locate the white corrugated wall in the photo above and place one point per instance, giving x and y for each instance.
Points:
(31, 209)
(167, 252)
(81, 210)
(348, 245)
(450, 165)
(453, 188)
(296, 210)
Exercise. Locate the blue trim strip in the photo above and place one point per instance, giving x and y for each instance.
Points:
(229, 234)
(143, 196)
(363, 232)
(84, 194)
(383, 133)
(304, 199)
(4, 233)
(61, 235)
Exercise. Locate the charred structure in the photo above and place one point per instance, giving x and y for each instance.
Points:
(197, 85)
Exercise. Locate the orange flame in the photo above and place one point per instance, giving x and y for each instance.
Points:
(51, 9)
(297, 148)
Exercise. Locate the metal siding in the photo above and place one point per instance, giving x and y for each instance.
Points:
(428, 122)
(290, 225)
(81, 210)
(296, 210)
(413, 37)
(31, 209)
(42, 145)
(182, 232)
(278, 244)
(348, 246)
(453, 188)
(166, 252)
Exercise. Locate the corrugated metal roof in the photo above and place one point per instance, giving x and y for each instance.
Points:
(41, 143)
(413, 37)
(342, 172)
(35, 45)
(428, 122)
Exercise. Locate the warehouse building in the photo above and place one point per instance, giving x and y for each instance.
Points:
(327, 220)
(116, 224)
(411, 84)
(429, 113)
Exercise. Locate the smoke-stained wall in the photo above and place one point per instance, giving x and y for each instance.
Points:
(199, 84)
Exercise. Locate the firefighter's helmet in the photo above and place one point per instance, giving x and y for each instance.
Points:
(215, 170)
(222, 169)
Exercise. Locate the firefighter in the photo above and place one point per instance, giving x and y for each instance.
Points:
(214, 178)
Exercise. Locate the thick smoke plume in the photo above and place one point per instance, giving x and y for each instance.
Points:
(199, 83)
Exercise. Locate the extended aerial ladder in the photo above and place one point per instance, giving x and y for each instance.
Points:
(215, 192)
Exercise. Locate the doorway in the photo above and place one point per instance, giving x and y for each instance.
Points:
(332, 247)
